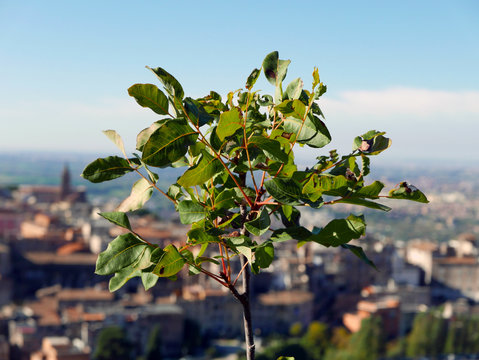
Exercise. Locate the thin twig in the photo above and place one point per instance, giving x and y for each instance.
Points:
(239, 274)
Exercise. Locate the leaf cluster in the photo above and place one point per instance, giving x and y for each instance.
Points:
(241, 189)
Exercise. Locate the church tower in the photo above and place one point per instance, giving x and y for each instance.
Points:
(65, 188)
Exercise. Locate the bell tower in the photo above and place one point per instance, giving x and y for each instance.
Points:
(65, 188)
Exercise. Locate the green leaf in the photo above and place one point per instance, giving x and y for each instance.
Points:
(131, 271)
(196, 112)
(200, 236)
(365, 203)
(371, 134)
(271, 148)
(225, 199)
(286, 170)
(320, 91)
(370, 191)
(290, 216)
(148, 95)
(365, 169)
(140, 193)
(372, 143)
(172, 86)
(148, 279)
(274, 69)
(259, 225)
(313, 133)
(286, 191)
(359, 252)
(190, 211)
(408, 192)
(168, 143)
(246, 251)
(252, 78)
(207, 167)
(121, 277)
(120, 253)
(292, 108)
(295, 232)
(317, 185)
(265, 100)
(341, 231)
(263, 256)
(380, 143)
(229, 123)
(118, 218)
(315, 77)
(293, 91)
(115, 138)
(170, 263)
(105, 169)
(145, 134)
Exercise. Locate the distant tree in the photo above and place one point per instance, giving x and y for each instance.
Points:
(418, 338)
(396, 349)
(340, 338)
(316, 340)
(296, 329)
(287, 348)
(368, 343)
(428, 335)
(113, 344)
(153, 349)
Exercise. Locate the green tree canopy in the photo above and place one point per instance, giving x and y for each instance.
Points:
(113, 344)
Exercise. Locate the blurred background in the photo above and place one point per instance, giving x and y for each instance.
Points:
(408, 68)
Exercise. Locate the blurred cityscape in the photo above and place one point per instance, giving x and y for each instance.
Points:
(53, 306)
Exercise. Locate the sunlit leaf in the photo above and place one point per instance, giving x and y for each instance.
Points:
(259, 225)
(286, 191)
(271, 148)
(131, 271)
(341, 231)
(172, 86)
(263, 256)
(120, 253)
(170, 263)
(115, 138)
(190, 211)
(252, 78)
(118, 218)
(204, 170)
(148, 95)
(168, 143)
(275, 69)
(140, 193)
(229, 123)
(408, 192)
(293, 91)
(105, 169)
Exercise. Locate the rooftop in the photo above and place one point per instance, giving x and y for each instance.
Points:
(49, 258)
(286, 298)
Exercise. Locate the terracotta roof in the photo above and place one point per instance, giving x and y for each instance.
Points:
(71, 248)
(426, 246)
(285, 298)
(45, 258)
(453, 260)
(84, 295)
(46, 311)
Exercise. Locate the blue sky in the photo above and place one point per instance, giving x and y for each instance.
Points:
(409, 68)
